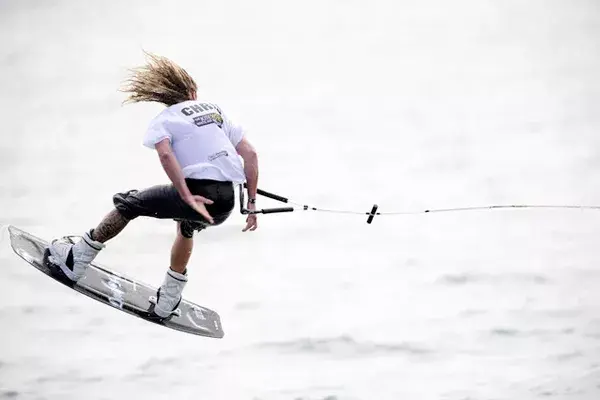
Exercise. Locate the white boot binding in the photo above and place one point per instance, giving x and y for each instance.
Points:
(168, 296)
(73, 258)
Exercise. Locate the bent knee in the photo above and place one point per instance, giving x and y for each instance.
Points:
(125, 203)
(187, 228)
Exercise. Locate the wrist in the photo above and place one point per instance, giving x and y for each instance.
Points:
(185, 192)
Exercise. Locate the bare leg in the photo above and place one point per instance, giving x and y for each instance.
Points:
(110, 226)
(181, 252)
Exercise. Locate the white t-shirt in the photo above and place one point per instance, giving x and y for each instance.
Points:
(203, 140)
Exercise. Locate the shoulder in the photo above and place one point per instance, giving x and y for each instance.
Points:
(166, 115)
(157, 131)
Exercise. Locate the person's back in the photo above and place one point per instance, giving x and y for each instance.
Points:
(203, 140)
(199, 149)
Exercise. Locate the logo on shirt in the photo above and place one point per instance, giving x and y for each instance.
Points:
(208, 119)
(199, 108)
(213, 157)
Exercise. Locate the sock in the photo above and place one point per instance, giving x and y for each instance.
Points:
(182, 273)
(177, 275)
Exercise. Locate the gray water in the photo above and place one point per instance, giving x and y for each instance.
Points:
(408, 104)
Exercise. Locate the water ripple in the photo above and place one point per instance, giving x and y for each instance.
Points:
(511, 332)
(468, 278)
(344, 346)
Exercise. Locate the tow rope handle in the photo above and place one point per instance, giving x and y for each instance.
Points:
(282, 199)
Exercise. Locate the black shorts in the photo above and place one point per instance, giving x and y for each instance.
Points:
(164, 202)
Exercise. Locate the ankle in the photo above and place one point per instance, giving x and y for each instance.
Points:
(178, 270)
(182, 277)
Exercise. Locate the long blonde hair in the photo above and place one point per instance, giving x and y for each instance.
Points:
(160, 80)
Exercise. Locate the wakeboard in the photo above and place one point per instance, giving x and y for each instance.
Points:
(116, 290)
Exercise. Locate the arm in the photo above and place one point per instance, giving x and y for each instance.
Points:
(172, 167)
(175, 174)
(248, 154)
